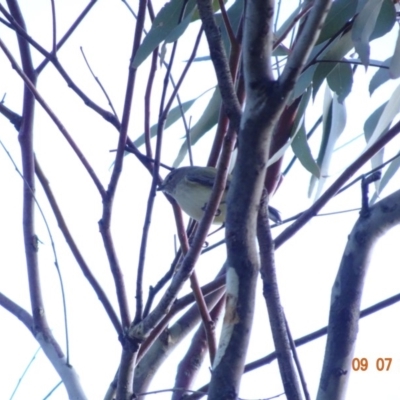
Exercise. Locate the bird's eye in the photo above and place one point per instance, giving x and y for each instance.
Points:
(168, 178)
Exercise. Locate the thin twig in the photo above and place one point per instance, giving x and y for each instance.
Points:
(129, 353)
(69, 32)
(147, 103)
(336, 186)
(227, 23)
(54, 23)
(304, 340)
(163, 115)
(301, 14)
(276, 314)
(75, 250)
(220, 62)
(100, 84)
(53, 247)
(52, 58)
(54, 118)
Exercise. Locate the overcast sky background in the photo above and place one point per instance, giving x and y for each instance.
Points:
(307, 264)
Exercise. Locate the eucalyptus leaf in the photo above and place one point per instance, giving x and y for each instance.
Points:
(334, 126)
(380, 77)
(328, 60)
(178, 31)
(363, 27)
(372, 121)
(386, 178)
(174, 115)
(369, 127)
(164, 23)
(385, 21)
(340, 13)
(296, 126)
(391, 109)
(234, 13)
(303, 83)
(208, 119)
(326, 126)
(302, 151)
(340, 80)
(289, 21)
(394, 66)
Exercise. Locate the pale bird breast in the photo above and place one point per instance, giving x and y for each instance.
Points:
(194, 202)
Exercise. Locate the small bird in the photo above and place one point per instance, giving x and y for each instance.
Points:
(191, 187)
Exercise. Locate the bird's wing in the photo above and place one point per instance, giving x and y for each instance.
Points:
(206, 178)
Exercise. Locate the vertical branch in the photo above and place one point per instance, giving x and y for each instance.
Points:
(243, 200)
(189, 366)
(347, 292)
(265, 101)
(109, 197)
(275, 311)
(75, 250)
(70, 31)
(222, 125)
(335, 187)
(164, 109)
(26, 142)
(54, 21)
(304, 44)
(220, 61)
(39, 326)
(147, 97)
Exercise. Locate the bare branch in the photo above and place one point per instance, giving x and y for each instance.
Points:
(75, 250)
(335, 187)
(31, 87)
(17, 311)
(220, 61)
(347, 292)
(277, 319)
(305, 43)
(243, 201)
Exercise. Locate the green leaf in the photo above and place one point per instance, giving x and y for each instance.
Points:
(200, 59)
(334, 122)
(326, 126)
(380, 76)
(372, 121)
(303, 83)
(369, 128)
(208, 119)
(391, 109)
(394, 68)
(285, 25)
(363, 27)
(178, 31)
(296, 126)
(172, 117)
(340, 80)
(164, 23)
(215, 7)
(340, 13)
(302, 151)
(280, 51)
(385, 21)
(306, 77)
(387, 176)
(335, 52)
(235, 13)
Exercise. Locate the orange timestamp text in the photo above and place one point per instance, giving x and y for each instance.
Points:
(381, 364)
